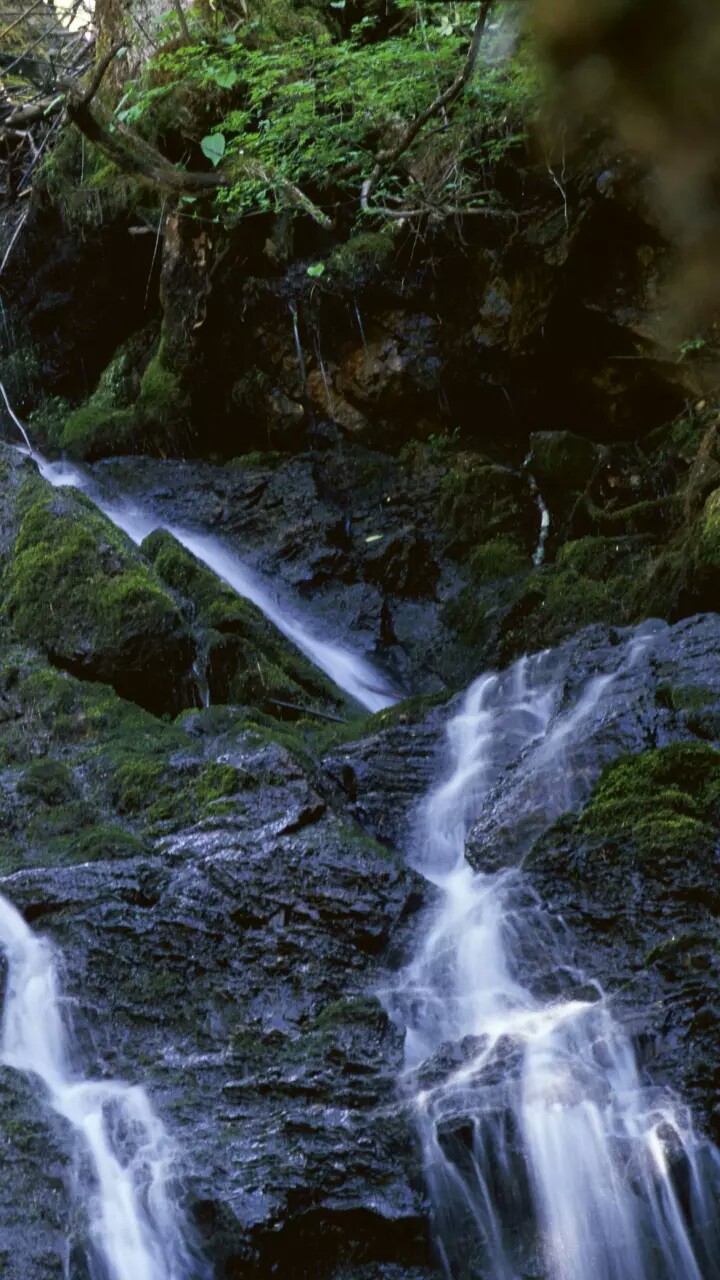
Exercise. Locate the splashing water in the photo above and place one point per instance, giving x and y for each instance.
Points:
(136, 1229)
(544, 1154)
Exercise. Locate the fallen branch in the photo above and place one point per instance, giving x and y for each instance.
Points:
(306, 711)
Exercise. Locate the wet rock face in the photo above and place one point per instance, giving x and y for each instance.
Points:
(634, 877)
(227, 958)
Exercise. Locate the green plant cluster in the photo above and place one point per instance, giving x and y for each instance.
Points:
(313, 111)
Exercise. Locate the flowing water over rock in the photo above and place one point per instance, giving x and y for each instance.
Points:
(124, 1160)
(544, 1153)
(349, 671)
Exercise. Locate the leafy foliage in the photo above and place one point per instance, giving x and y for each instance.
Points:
(311, 111)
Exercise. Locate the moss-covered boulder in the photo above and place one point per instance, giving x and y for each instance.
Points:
(248, 660)
(481, 502)
(77, 589)
(138, 405)
(658, 804)
(562, 464)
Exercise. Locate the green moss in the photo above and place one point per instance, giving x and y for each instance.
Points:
(129, 409)
(659, 803)
(687, 697)
(76, 588)
(361, 256)
(49, 781)
(216, 782)
(85, 187)
(556, 602)
(163, 400)
(658, 516)
(351, 1011)
(270, 460)
(479, 504)
(96, 431)
(500, 558)
(137, 784)
(603, 558)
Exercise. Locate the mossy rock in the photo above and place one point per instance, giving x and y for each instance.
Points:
(498, 558)
(658, 804)
(480, 503)
(48, 781)
(138, 406)
(78, 589)
(562, 464)
(556, 602)
(248, 660)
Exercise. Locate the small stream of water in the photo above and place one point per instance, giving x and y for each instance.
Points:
(348, 670)
(126, 1160)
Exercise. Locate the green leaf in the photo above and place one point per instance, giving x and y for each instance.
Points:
(225, 78)
(213, 147)
(317, 269)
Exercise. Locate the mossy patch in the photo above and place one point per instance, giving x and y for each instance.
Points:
(479, 503)
(499, 558)
(137, 404)
(76, 588)
(658, 804)
(47, 781)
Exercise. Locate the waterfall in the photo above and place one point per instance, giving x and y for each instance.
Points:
(348, 670)
(544, 1154)
(126, 1159)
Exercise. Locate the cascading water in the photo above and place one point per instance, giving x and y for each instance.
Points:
(545, 1156)
(350, 672)
(125, 1157)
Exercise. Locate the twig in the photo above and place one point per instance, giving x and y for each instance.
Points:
(22, 18)
(385, 159)
(13, 240)
(306, 711)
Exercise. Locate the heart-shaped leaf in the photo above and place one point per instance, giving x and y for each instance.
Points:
(213, 147)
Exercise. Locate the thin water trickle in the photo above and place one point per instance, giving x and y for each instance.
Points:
(298, 346)
(539, 552)
(126, 1159)
(545, 1155)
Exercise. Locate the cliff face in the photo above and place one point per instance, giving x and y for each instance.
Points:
(446, 447)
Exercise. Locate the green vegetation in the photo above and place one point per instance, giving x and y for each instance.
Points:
(128, 410)
(290, 108)
(663, 803)
(77, 588)
(480, 503)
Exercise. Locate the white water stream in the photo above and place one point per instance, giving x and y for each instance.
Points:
(136, 1229)
(545, 1156)
(348, 670)
(126, 1159)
